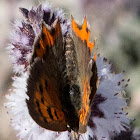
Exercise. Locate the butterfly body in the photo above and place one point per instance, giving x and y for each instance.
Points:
(60, 86)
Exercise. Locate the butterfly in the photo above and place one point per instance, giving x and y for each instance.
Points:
(63, 78)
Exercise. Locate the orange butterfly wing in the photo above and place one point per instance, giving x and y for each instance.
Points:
(87, 71)
(46, 78)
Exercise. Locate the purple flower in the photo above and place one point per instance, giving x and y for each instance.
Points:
(24, 33)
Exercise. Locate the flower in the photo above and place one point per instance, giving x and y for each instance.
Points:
(131, 134)
(107, 116)
(24, 33)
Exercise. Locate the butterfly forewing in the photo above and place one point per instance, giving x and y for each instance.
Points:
(46, 79)
(87, 70)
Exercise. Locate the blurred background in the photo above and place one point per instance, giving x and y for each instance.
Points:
(114, 25)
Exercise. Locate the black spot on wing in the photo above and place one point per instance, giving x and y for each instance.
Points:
(38, 105)
(42, 100)
(43, 36)
(39, 110)
(46, 84)
(56, 114)
(41, 89)
(49, 112)
(87, 30)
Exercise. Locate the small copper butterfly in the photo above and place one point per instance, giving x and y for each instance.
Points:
(63, 78)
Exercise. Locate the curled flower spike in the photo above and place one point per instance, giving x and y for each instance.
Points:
(24, 33)
(106, 118)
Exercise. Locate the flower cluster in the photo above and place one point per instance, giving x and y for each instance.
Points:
(107, 116)
(25, 32)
